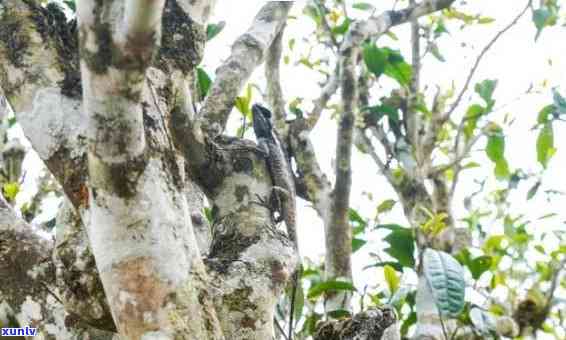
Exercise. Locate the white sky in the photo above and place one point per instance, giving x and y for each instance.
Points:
(516, 61)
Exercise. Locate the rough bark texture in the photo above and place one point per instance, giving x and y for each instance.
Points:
(374, 323)
(133, 197)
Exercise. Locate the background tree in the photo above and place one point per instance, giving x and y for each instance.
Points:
(164, 230)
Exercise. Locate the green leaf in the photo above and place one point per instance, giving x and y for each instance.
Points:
(440, 28)
(480, 265)
(355, 218)
(329, 286)
(501, 169)
(495, 151)
(71, 4)
(397, 68)
(485, 20)
(299, 302)
(407, 323)
(243, 103)
(11, 190)
(12, 121)
(208, 215)
(364, 6)
(203, 82)
(474, 113)
(357, 243)
(541, 17)
(545, 114)
(436, 52)
(375, 113)
(533, 190)
(212, 30)
(391, 278)
(445, 278)
(485, 89)
(386, 206)
(401, 244)
(342, 28)
(545, 144)
(374, 59)
(559, 102)
(312, 12)
(495, 147)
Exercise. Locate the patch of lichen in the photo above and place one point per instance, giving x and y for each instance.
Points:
(241, 192)
(14, 37)
(182, 41)
(229, 245)
(119, 178)
(99, 61)
(21, 255)
(107, 52)
(71, 174)
(239, 300)
(61, 35)
(82, 285)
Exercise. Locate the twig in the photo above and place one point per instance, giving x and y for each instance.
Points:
(460, 156)
(279, 328)
(480, 57)
(554, 284)
(377, 160)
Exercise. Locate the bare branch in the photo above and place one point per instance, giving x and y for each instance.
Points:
(381, 136)
(383, 168)
(412, 119)
(554, 284)
(274, 91)
(247, 52)
(377, 25)
(338, 235)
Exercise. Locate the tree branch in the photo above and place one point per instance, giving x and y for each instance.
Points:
(377, 25)
(414, 88)
(247, 52)
(338, 234)
(142, 19)
(275, 96)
